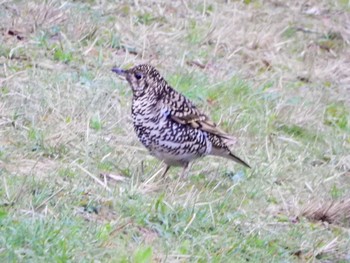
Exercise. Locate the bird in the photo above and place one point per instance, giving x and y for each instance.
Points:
(169, 125)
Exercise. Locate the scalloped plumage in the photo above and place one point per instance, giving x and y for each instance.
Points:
(169, 125)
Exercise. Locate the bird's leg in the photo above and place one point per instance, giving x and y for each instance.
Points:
(184, 170)
(180, 178)
(166, 170)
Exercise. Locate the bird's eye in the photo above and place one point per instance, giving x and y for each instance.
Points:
(138, 75)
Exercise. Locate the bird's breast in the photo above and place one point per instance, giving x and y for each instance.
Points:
(166, 138)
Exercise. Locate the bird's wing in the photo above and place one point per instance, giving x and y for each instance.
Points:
(182, 110)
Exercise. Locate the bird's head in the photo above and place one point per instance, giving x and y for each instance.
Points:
(142, 78)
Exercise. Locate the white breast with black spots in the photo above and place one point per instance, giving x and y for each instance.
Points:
(166, 139)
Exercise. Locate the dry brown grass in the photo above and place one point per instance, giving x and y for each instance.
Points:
(332, 212)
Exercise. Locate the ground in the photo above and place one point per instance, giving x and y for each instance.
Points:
(76, 185)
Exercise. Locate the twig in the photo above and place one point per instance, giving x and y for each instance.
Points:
(191, 221)
(50, 197)
(11, 76)
(94, 177)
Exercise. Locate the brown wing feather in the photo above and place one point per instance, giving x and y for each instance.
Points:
(183, 111)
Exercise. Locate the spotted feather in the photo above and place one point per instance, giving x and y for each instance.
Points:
(169, 125)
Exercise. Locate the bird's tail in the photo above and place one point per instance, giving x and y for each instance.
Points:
(220, 147)
(231, 156)
(225, 152)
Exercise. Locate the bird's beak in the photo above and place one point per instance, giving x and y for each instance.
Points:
(119, 71)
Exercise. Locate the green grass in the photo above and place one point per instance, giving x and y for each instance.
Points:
(77, 186)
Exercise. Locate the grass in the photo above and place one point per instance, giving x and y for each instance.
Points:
(76, 185)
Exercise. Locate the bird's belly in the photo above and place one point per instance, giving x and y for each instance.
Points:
(171, 142)
(173, 153)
